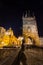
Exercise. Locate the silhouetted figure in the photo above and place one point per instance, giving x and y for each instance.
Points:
(21, 58)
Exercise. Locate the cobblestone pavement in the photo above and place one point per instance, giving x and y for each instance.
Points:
(30, 56)
(34, 56)
(7, 56)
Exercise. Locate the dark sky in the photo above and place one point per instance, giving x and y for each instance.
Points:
(11, 14)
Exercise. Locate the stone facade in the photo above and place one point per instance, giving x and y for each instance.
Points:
(29, 23)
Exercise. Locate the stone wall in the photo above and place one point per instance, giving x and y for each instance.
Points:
(30, 23)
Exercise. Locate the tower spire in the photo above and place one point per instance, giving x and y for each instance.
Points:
(26, 14)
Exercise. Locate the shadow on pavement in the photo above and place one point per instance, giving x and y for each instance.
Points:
(21, 58)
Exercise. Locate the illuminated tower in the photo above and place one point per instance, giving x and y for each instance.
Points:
(29, 23)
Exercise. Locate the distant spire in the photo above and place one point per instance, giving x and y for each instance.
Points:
(26, 14)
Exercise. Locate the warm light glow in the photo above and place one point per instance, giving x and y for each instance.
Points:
(9, 39)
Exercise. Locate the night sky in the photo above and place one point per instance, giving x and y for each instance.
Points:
(11, 13)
